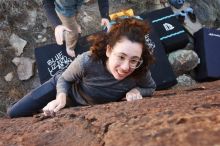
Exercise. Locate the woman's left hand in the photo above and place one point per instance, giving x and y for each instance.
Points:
(133, 94)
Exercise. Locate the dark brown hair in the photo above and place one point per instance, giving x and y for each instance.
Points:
(131, 28)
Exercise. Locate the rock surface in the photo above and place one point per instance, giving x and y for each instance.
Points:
(207, 11)
(188, 117)
(183, 61)
(185, 117)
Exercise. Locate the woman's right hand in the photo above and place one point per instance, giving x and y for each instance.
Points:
(55, 105)
(133, 94)
(59, 33)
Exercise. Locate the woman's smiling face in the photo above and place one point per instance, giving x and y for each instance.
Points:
(123, 58)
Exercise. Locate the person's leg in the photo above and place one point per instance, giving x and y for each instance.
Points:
(70, 37)
(49, 9)
(35, 100)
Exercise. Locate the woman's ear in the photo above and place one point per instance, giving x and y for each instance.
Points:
(108, 51)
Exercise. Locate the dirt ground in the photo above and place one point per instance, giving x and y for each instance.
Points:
(186, 117)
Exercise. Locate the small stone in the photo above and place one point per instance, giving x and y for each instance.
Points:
(185, 81)
(17, 43)
(25, 67)
(183, 61)
(9, 77)
(44, 31)
(44, 40)
(39, 36)
(45, 25)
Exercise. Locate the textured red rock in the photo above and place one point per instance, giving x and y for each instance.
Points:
(189, 116)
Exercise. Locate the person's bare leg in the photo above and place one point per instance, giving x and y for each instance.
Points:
(70, 37)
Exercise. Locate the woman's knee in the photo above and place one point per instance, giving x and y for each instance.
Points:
(11, 113)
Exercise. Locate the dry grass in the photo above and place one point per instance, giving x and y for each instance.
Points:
(3, 106)
(10, 6)
(15, 6)
(143, 2)
(15, 93)
(11, 10)
(6, 55)
(15, 10)
(8, 94)
(9, 91)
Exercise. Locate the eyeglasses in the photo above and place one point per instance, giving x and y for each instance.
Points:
(133, 63)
